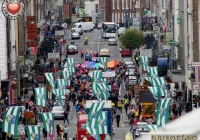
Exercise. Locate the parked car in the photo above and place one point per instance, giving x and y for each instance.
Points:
(75, 35)
(72, 48)
(104, 52)
(99, 26)
(112, 41)
(58, 112)
(125, 52)
(121, 30)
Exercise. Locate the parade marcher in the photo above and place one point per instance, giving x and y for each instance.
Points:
(66, 131)
(66, 113)
(61, 132)
(58, 131)
(82, 54)
(118, 119)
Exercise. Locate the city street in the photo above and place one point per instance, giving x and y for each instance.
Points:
(96, 44)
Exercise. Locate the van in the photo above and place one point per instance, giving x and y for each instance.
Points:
(84, 26)
(125, 52)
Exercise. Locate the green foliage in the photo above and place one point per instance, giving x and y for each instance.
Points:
(68, 21)
(131, 39)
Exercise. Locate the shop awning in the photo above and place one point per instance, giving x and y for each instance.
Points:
(176, 76)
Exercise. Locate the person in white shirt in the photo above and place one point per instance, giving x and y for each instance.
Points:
(66, 131)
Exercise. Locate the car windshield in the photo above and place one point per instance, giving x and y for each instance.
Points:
(142, 125)
(57, 108)
(72, 47)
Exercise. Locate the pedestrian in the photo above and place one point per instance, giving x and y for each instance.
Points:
(118, 119)
(44, 134)
(45, 59)
(66, 131)
(136, 60)
(61, 132)
(179, 111)
(58, 130)
(66, 116)
(82, 54)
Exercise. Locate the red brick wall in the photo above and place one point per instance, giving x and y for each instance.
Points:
(67, 10)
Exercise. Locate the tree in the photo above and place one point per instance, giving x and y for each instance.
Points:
(131, 39)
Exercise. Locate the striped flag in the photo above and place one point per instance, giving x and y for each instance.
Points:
(103, 122)
(66, 75)
(149, 79)
(101, 91)
(10, 120)
(48, 121)
(153, 72)
(92, 123)
(103, 61)
(62, 83)
(157, 92)
(60, 92)
(49, 77)
(145, 62)
(160, 82)
(162, 114)
(152, 127)
(71, 64)
(33, 132)
(40, 96)
(97, 76)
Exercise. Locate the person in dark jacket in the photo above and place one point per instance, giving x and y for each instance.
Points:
(117, 119)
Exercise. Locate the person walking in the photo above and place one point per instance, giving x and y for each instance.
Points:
(44, 134)
(66, 116)
(118, 119)
(66, 131)
(58, 130)
(82, 54)
(61, 132)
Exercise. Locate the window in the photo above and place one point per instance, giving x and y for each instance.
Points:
(97, 8)
(118, 15)
(131, 4)
(113, 3)
(122, 4)
(103, 2)
(115, 17)
(117, 4)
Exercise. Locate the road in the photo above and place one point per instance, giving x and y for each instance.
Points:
(95, 44)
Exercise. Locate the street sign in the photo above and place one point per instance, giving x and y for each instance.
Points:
(30, 103)
(196, 64)
(196, 87)
(190, 67)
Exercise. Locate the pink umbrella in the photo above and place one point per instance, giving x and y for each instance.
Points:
(77, 65)
(84, 64)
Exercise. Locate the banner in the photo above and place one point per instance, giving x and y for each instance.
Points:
(147, 110)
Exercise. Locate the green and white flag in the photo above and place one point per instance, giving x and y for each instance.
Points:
(33, 132)
(160, 82)
(10, 120)
(101, 91)
(152, 72)
(145, 62)
(97, 76)
(48, 121)
(66, 75)
(103, 122)
(155, 92)
(92, 123)
(60, 92)
(49, 77)
(71, 64)
(103, 61)
(149, 79)
(40, 96)
(152, 128)
(162, 114)
(62, 83)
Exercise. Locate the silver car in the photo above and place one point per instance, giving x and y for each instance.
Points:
(112, 41)
(58, 112)
(76, 35)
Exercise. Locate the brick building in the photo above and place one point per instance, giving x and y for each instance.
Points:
(105, 7)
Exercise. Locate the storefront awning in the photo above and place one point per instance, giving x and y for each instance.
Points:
(176, 76)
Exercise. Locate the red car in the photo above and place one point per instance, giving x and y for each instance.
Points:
(125, 52)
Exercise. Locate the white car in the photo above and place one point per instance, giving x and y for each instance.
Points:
(130, 72)
(112, 41)
(128, 63)
(58, 111)
(76, 35)
(127, 59)
(131, 66)
(121, 30)
(104, 52)
(132, 79)
(141, 125)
